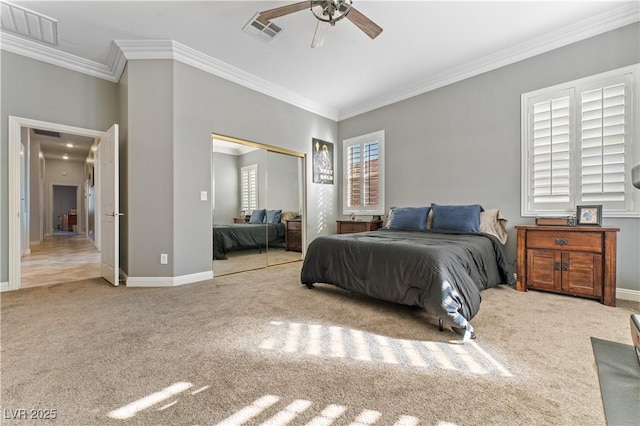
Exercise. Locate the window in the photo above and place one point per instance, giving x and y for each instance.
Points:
(249, 188)
(363, 174)
(579, 143)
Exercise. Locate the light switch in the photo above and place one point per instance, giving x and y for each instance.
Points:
(203, 195)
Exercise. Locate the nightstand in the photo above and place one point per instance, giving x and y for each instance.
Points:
(575, 260)
(353, 226)
(243, 219)
(293, 235)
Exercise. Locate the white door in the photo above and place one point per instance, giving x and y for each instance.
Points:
(110, 216)
(24, 238)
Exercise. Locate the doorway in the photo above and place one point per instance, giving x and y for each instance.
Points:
(65, 209)
(77, 256)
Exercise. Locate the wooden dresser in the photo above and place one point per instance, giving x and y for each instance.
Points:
(580, 261)
(352, 226)
(293, 235)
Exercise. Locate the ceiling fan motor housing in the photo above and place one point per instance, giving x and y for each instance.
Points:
(330, 11)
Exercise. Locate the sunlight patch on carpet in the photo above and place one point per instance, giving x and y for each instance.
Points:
(130, 410)
(327, 415)
(356, 345)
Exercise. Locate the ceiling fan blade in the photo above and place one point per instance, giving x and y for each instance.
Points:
(321, 31)
(369, 27)
(270, 14)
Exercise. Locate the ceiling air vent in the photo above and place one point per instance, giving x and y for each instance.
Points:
(47, 133)
(261, 31)
(27, 23)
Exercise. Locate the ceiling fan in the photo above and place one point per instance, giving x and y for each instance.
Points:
(328, 12)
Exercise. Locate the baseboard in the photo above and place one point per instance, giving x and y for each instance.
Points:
(624, 294)
(4, 286)
(34, 243)
(168, 281)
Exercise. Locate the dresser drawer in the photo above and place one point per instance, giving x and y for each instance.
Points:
(565, 240)
(348, 228)
(294, 225)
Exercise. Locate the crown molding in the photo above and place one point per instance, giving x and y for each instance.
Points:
(43, 53)
(616, 18)
(123, 50)
(169, 49)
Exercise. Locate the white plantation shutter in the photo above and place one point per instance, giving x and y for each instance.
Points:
(249, 187)
(602, 146)
(354, 167)
(363, 171)
(551, 164)
(578, 146)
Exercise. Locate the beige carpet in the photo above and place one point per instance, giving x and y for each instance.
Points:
(258, 347)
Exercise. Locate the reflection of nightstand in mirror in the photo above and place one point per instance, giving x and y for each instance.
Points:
(243, 219)
(293, 235)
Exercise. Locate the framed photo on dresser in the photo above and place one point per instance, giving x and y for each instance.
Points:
(589, 215)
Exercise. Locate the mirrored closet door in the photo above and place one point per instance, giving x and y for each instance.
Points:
(284, 199)
(257, 205)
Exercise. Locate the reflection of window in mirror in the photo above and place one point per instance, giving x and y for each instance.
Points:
(249, 188)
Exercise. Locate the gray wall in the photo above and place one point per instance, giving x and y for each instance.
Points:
(461, 143)
(283, 182)
(33, 89)
(204, 103)
(150, 170)
(278, 180)
(226, 178)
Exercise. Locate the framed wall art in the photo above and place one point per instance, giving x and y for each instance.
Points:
(322, 157)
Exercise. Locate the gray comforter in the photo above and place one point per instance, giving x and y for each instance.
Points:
(245, 235)
(441, 272)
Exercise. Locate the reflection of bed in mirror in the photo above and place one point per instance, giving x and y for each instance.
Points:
(265, 229)
(239, 236)
(249, 177)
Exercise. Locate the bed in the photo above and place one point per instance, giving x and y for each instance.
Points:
(265, 228)
(239, 236)
(439, 269)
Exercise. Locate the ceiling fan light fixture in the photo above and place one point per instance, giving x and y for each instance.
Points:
(327, 12)
(319, 35)
(330, 11)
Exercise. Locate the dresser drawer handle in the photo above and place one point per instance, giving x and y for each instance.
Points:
(562, 241)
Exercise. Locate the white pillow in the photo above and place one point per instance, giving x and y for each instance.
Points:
(492, 222)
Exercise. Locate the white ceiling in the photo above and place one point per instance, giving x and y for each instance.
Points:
(424, 45)
(75, 147)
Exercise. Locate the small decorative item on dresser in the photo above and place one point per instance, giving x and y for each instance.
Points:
(553, 221)
(589, 215)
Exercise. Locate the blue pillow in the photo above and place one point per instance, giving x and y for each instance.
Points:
(409, 218)
(273, 216)
(257, 216)
(456, 218)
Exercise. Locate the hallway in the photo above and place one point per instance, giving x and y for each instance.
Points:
(63, 257)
